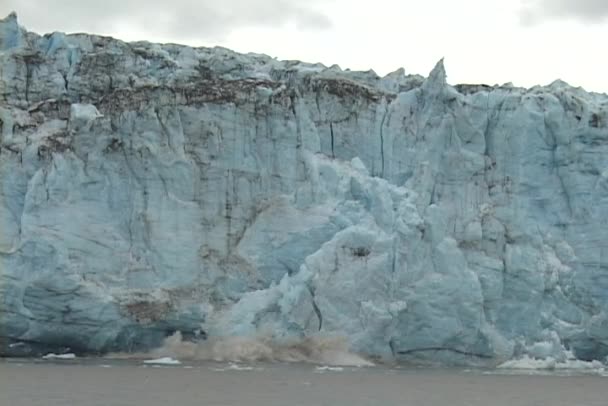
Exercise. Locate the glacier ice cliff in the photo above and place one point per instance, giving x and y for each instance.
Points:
(147, 189)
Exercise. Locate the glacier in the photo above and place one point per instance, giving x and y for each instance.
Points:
(149, 189)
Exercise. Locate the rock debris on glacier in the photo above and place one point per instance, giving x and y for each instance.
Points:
(147, 189)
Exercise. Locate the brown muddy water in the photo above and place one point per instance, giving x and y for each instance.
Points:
(103, 382)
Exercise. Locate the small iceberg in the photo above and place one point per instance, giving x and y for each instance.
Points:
(163, 361)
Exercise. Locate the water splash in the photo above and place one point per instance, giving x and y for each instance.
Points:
(317, 350)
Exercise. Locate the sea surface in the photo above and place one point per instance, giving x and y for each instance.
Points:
(104, 382)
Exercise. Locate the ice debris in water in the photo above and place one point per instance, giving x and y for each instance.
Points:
(528, 363)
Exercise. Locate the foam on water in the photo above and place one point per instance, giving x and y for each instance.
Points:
(236, 367)
(59, 356)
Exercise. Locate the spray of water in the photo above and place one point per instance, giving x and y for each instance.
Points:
(317, 350)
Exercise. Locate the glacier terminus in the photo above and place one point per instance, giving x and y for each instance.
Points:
(150, 189)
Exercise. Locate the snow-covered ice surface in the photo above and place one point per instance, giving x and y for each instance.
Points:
(149, 189)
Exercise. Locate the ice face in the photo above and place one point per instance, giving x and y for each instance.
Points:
(147, 189)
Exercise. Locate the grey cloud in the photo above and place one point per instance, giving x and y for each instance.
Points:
(176, 19)
(535, 11)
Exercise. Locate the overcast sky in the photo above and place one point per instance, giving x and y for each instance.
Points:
(526, 42)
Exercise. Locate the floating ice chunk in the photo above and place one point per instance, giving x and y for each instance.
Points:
(328, 368)
(162, 361)
(59, 356)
